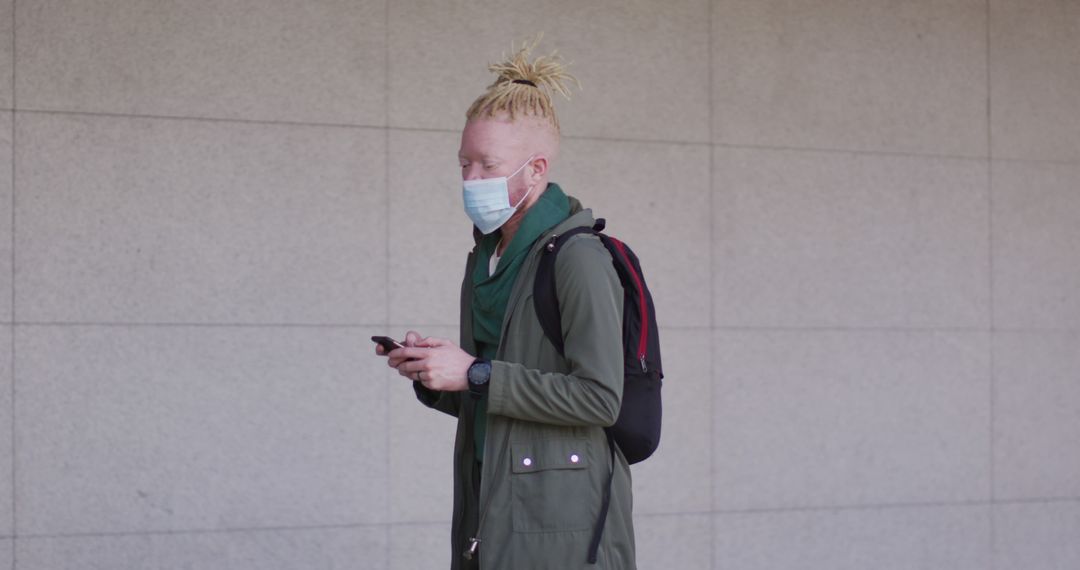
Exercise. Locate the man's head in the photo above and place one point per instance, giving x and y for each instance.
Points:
(514, 123)
(497, 146)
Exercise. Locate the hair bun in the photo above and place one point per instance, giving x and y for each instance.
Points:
(524, 87)
(547, 72)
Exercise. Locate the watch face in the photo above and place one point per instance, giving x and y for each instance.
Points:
(479, 372)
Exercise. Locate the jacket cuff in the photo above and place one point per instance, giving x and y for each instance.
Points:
(427, 396)
(496, 395)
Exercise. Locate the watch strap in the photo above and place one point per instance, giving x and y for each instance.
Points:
(479, 377)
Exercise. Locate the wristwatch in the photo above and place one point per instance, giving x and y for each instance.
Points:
(478, 375)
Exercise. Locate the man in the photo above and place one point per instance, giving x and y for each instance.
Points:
(532, 462)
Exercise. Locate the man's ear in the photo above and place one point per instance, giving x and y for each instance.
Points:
(538, 168)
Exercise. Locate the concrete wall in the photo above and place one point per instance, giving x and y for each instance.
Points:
(861, 221)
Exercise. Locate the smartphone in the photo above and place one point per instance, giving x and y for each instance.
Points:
(387, 343)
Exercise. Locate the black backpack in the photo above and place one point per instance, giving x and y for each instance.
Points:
(637, 431)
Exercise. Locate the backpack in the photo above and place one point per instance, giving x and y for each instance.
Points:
(637, 430)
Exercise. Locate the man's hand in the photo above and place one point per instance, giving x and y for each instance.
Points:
(437, 363)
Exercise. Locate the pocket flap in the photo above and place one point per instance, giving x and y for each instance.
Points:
(530, 456)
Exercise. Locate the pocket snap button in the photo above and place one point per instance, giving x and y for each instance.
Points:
(574, 458)
(526, 462)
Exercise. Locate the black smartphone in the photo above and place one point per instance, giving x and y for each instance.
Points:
(387, 343)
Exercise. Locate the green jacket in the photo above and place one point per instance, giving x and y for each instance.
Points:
(546, 455)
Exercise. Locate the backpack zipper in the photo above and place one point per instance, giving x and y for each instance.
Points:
(642, 305)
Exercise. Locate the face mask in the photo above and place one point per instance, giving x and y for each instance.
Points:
(487, 201)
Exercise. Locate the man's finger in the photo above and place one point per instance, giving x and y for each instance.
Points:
(411, 338)
(411, 367)
(410, 353)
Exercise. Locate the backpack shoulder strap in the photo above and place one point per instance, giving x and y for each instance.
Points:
(544, 298)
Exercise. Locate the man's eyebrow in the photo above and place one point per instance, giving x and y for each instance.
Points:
(481, 157)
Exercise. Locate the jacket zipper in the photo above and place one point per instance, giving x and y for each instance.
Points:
(642, 305)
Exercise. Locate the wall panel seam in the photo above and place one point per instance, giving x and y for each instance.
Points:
(387, 422)
(14, 317)
(992, 460)
(712, 285)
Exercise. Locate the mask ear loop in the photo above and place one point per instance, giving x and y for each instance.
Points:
(527, 161)
(522, 200)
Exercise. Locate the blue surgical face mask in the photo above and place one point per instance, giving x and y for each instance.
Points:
(487, 201)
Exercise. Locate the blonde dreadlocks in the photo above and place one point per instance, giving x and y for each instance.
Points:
(523, 87)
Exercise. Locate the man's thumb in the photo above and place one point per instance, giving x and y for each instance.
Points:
(412, 338)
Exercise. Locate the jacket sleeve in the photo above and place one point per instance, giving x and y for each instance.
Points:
(446, 402)
(591, 304)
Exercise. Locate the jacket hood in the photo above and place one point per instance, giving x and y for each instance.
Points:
(579, 216)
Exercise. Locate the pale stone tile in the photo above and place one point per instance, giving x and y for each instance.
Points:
(1035, 81)
(249, 59)
(849, 240)
(7, 61)
(126, 429)
(673, 541)
(1036, 415)
(286, 549)
(152, 220)
(420, 546)
(953, 537)
(6, 452)
(819, 418)
(1037, 536)
(6, 191)
(1036, 240)
(836, 74)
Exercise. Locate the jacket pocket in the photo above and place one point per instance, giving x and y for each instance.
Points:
(551, 485)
